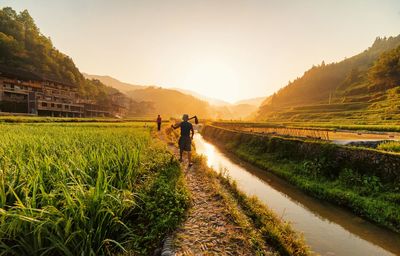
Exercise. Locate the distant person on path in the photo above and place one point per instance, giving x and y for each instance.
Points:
(159, 120)
(185, 141)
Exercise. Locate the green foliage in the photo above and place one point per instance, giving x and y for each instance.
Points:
(365, 184)
(24, 48)
(163, 203)
(320, 168)
(350, 178)
(83, 189)
(392, 146)
(386, 71)
(313, 169)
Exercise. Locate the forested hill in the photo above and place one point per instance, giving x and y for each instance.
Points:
(115, 83)
(365, 83)
(24, 48)
(171, 102)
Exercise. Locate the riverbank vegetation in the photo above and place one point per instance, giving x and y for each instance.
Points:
(341, 175)
(274, 231)
(392, 146)
(92, 189)
(266, 232)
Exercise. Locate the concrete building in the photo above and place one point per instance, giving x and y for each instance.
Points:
(25, 92)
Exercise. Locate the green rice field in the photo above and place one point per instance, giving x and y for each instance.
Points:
(87, 189)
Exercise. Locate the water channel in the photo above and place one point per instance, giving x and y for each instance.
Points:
(328, 229)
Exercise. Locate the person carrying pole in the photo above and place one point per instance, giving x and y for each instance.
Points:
(185, 140)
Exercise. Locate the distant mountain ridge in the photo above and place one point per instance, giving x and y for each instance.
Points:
(254, 101)
(112, 82)
(212, 101)
(171, 102)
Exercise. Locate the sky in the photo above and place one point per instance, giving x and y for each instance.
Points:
(225, 49)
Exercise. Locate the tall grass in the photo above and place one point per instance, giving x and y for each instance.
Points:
(69, 190)
(392, 146)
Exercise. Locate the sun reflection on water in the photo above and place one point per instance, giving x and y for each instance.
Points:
(209, 152)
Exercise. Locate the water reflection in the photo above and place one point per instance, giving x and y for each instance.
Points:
(209, 151)
(329, 230)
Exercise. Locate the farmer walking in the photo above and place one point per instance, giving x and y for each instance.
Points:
(185, 141)
(159, 120)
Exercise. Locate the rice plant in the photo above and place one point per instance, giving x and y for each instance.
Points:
(77, 189)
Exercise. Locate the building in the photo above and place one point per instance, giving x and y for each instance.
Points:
(58, 99)
(120, 104)
(26, 92)
(17, 95)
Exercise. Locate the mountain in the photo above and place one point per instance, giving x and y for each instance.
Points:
(363, 87)
(254, 101)
(234, 112)
(171, 103)
(212, 101)
(112, 82)
(219, 103)
(243, 109)
(167, 102)
(126, 87)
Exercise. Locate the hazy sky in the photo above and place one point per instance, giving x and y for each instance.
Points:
(225, 49)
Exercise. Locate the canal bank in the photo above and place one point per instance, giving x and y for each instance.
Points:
(221, 220)
(328, 229)
(362, 180)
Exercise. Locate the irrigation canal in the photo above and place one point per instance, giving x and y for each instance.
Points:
(328, 229)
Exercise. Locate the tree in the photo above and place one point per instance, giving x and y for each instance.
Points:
(23, 47)
(386, 71)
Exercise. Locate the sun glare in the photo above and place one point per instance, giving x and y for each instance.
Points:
(213, 75)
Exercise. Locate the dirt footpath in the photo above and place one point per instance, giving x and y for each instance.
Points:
(209, 228)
